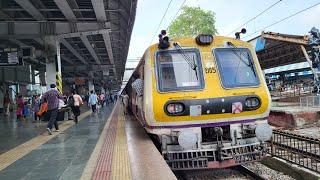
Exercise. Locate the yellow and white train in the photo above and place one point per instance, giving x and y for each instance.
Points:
(205, 99)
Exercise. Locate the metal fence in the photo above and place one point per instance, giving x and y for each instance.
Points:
(310, 101)
(301, 150)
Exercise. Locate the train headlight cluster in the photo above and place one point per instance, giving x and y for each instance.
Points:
(204, 39)
(252, 102)
(175, 108)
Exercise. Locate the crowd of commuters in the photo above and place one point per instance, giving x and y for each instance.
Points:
(51, 106)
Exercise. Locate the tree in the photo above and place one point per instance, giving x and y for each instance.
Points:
(192, 22)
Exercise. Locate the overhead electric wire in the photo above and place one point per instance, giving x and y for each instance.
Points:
(161, 21)
(175, 16)
(288, 17)
(255, 17)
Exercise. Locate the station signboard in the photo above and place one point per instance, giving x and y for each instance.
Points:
(9, 57)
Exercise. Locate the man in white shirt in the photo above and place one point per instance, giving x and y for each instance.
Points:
(93, 99)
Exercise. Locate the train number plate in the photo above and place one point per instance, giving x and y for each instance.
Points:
(195, 110)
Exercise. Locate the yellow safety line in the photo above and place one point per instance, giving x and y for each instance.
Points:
(120, 162)
(9, 157)
(92, 162)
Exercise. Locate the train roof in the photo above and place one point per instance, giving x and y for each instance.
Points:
(217, 40)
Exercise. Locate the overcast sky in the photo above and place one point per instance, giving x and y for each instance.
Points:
(229, 15)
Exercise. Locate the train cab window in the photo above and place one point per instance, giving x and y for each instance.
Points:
(236, 67)
(179, 70)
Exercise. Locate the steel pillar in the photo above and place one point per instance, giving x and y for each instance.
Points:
(53, 64)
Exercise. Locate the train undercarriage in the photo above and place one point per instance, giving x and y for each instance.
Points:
(212, 147)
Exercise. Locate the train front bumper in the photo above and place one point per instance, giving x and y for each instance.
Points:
(215, 157)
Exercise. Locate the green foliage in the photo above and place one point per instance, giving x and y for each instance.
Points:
(192, 22)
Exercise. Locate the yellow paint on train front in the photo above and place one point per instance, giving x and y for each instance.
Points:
(213, 86)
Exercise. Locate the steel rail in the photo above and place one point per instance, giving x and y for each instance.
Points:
(246, 171)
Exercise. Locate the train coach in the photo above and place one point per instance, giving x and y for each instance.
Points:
(205, 100)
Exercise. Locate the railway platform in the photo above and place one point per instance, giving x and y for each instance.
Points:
(292, 115)
(107, 145)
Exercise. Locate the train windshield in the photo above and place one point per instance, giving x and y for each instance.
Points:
(179, 70)
(236, 67)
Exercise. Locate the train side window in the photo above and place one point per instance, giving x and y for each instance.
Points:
(175, 71)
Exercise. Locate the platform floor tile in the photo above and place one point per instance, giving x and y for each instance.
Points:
(64, 156)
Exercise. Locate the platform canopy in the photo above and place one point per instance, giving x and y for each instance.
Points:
(94, 35)
(275, 49)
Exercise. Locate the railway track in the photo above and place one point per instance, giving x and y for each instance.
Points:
(246, 171)
(301, 150)
(238, 172)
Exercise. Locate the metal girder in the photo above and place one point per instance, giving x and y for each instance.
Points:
(99, 10)
(90, 49)
(302, 40)
(66, 10)
(5, 16)
(39, 41)
(74, 52)
(17, 42)
(86, 68)
(28, 6)
(57, 10)
(65, 58)
(107, 41)
(85, 33)
(32, 29)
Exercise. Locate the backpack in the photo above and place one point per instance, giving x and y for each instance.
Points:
(71, 101)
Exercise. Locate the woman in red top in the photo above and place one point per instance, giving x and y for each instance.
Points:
(19, 112)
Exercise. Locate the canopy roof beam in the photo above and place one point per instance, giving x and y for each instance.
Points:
(73, 51)
(99, 10)
(66, 10)
(28, 6)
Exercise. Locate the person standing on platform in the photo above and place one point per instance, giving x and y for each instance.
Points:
(70, 103)
(7, 102)
(77, 103)
(36, 107)
(102, 99)
(1, 99)
(125, 102)
(137, 85)
(19, 112)
(111, 98)
(52, 96)
(93, 99)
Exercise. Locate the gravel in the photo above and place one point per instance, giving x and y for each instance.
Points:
(211, 174)
(266, 172)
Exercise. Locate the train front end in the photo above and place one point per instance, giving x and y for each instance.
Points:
(207, 101)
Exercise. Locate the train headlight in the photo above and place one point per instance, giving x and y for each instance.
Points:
(187, 139)
(263, 132)
(252, 102)
(204, 39)
(175, 108)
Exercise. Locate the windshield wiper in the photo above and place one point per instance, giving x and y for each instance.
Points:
(249, 64)
(190, 62)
